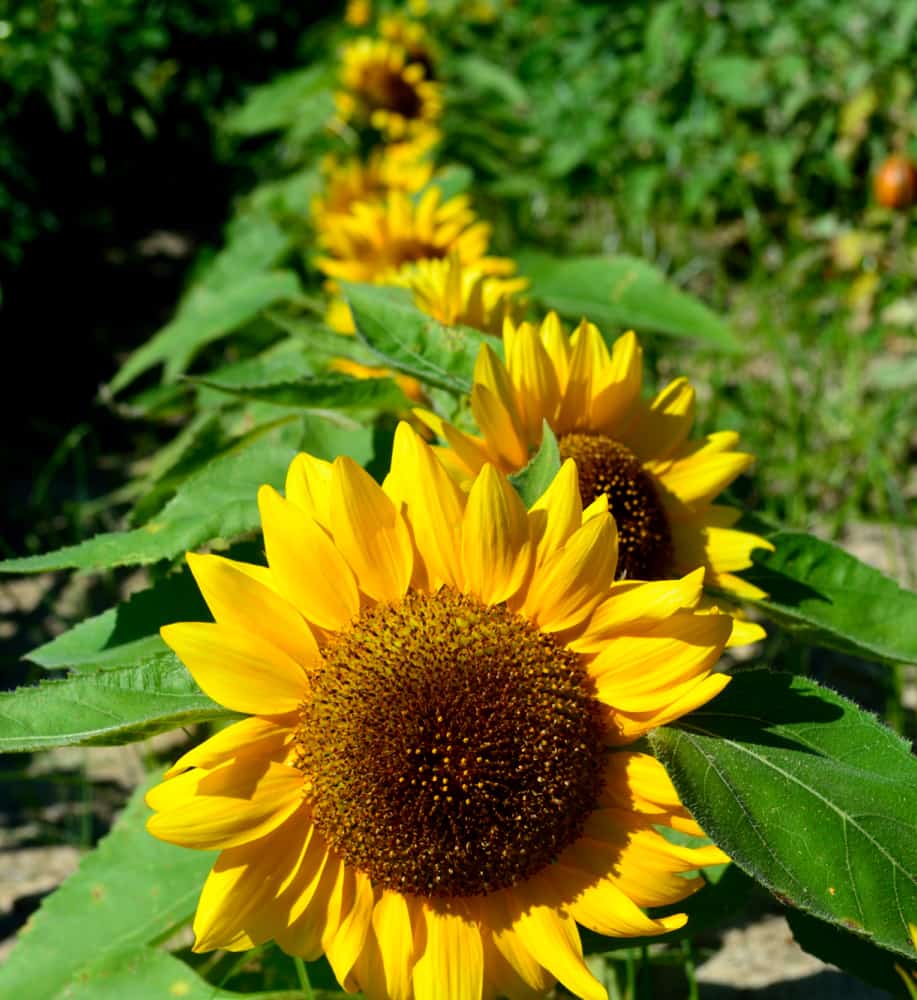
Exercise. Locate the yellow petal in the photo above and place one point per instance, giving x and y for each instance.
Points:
(557, 344)
(238, 669)
(236, 599)
(661, 427)
(345, 944)
(230, 805)
(392, 924)
(309, 570)
(450, 965)
(616, 390)
(244, 880)
(699, 484)
(308, 899)
(308, 484)
(496, 550)
(370, 533)
(534, 380)
(589, 356)
(434, 502)
(252, 737)
(557, 513)
(631, 606)
(630, 726)
(501, 428)
(470, 451)
(552, 939)
(564, 591)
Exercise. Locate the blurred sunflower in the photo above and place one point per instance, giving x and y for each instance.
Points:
(376, 238)
(660, 483)
(461, 294)
(382, 89)
(412, 37)
(431, 786)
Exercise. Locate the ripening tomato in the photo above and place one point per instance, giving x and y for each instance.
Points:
(895, 183)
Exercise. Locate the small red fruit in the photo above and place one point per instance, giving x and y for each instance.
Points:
(895, 184)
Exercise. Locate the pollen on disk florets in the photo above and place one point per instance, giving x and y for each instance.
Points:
(453, 749)
(605, 466)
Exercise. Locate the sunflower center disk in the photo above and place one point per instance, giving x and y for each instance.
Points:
(453, 748)
(605, 466)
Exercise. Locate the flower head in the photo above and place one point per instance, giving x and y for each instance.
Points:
(660, 482)
(461, 294)
(375, 238)
(384, 90)
(432, 784)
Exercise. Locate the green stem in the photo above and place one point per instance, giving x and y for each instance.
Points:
(303, 975)
(689, 967)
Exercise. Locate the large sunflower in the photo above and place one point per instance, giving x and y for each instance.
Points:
(383, 89)
(660, 482)
(432, 786)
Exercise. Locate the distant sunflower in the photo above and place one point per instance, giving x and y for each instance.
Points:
(412, 36)
(660, 483)
(461, 294)
(384, 90)
(376, 238)
(432, 786)
(400, 166)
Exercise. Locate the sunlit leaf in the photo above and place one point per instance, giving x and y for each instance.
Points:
(622, 291)
(809, 794)
(531, 482)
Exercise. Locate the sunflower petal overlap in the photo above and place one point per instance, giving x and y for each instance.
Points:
(458, 689)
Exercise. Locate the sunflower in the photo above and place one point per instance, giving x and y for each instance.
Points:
(376, 238)
(384, 90)
(412, 37)
(400, 166)
(433, 784)
(461, 294)
(660, 483)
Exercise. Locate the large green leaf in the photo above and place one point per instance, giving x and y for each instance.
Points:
(830, 598)
(206, 315)
(851, 952)
(146, 973)
(127, 633)
(104, 706)
(623, 291)
(332, 391)
(130, 891)
(808, 794)
(218, 502)
(410, 341)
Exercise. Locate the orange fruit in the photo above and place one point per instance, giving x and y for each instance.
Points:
(895, 184)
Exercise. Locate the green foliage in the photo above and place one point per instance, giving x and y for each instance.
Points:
(104, 707)
(828, 597)
(808, 794)
(623, 291)
(131, 891)
(411, 342)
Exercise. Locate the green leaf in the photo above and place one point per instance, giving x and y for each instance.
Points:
(488, 77)
(411, 342)
(104, 707)
(284, 101)
(130, 891)
(204, 316)
(127, 633)
(809, 795)
(828, 597)
(850, 952)
(220, 501)
(531, 482)
(333, 391)
(623, 291)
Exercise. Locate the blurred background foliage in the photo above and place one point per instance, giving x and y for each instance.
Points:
(732, 145)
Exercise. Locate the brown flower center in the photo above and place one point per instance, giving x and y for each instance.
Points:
(390, 91)
(453, 749)
(645, 549)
